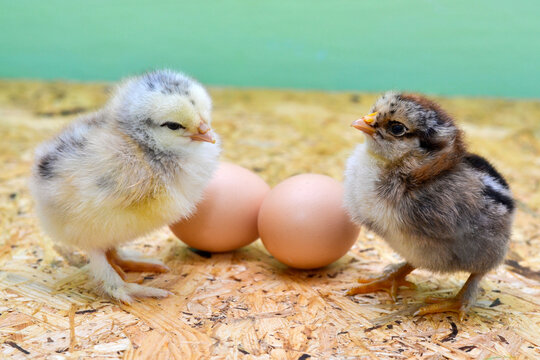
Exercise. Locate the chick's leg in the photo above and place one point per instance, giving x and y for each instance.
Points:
(389, 282)
(124, 263)
(458, 304)
(111, 281)
(112, 261)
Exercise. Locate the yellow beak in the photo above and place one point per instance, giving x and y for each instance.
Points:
(364, 124)
(204, 134)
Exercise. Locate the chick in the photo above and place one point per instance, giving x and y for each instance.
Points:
(138, 164)
(413, 183)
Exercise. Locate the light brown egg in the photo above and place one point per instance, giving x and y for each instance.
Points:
(303, 224)
(226, 218)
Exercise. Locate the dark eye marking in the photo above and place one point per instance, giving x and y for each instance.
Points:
(396, 128)
(173, 125)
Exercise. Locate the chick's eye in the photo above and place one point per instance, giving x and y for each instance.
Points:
(173, 125)
(397, 129)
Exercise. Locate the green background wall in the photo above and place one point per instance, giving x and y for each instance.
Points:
(475, 47)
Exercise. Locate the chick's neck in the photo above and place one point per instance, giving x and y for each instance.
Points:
(378, 158)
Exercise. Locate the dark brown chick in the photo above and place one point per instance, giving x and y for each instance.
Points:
(413, 183)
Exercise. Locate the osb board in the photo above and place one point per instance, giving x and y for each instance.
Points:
(245, 304)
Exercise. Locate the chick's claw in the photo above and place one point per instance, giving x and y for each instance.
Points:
(142, 266)
(458, 304)
(386, 283)
(440, 305)
(389, 282)
(129, 265)
(128, 291)
(435, 300)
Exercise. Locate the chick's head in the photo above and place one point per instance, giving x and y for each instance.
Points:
(164, 110)
(403, 125)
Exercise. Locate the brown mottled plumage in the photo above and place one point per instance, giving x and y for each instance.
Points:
(414, 184)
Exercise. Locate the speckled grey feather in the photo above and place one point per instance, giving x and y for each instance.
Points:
(439, 207)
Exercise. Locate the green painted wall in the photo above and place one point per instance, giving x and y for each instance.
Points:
(474, 47)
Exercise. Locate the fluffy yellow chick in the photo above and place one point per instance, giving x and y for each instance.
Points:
(139, 163)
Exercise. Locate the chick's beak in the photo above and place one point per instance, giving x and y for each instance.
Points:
(364, 124)
(204, 134)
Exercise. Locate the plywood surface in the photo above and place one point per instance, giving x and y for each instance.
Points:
(245, 304)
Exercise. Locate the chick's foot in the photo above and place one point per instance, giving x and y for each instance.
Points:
(389, 282)
(440, 305)
(459, 304)
(122, 264)
(126, 292)
(109, 276)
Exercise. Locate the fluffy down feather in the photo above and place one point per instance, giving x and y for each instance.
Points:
(125, 170)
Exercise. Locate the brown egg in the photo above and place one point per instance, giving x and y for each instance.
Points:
(303, 224)
(226, 218)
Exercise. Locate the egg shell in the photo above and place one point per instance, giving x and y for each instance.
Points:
(303, 224)
(226, 218)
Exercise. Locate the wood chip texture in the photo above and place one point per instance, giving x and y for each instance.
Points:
(244, 304)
